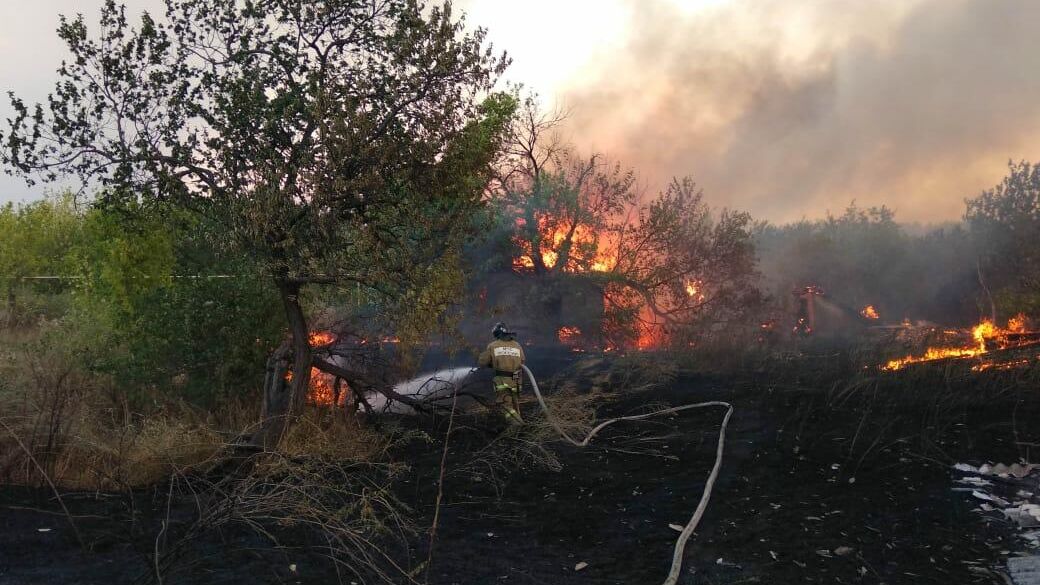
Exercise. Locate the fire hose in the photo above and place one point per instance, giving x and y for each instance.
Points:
(687, 531)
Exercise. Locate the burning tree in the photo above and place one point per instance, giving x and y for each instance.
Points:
(335, 141)
(663, 265)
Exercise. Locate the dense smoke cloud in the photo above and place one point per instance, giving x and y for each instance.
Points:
(790, 109)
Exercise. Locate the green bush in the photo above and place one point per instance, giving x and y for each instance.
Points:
(144, 297)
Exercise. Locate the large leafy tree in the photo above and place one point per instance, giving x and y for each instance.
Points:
(336, 141)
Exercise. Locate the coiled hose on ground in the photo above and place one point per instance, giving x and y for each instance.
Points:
(687, 531)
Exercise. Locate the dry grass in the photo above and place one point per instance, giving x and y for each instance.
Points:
(78, 429)
(302, 507)
(81, 435)
(319, 496)
(333, 435)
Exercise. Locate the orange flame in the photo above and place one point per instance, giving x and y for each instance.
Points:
(869, 312)
(319, 338)
(1004, 365)
(982, 334)
(552, 242)
(321, 389)
(1017, 324)
(694, 289)
(570, 336)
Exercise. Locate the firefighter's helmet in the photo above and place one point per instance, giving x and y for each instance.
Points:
(500, 331)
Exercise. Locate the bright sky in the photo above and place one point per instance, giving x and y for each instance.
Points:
(786, 108)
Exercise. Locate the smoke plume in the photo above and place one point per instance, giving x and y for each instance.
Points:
(790, 109)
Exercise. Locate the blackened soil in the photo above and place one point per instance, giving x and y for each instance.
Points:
(816, 487)
(822, 482)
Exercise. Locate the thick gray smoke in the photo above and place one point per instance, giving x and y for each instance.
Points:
(790, 109)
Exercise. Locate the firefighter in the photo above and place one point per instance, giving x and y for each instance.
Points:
(505, 355)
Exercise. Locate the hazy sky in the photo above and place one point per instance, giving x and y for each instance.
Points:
(787, 108)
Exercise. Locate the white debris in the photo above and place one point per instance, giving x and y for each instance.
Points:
(966, 468)
(990, 498)
(43, 530)
(676, 527)
(580, 566)
(1018, 470)
(843, 550)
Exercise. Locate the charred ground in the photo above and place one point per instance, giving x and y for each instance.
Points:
(830, 475)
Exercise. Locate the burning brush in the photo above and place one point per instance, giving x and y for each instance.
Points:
(985, 338)
(323, 389)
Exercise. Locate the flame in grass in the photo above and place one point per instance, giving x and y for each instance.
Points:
(322, 391)
(319, 338)
(869, 312)
(983, 335)
(1002, 365)
(571, 337)
(931, 354)
(1017, 324)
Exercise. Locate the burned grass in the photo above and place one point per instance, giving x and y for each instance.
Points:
(833, 473)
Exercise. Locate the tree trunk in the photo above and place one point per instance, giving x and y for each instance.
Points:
(982, 283)
(284, 400)
(12, 306)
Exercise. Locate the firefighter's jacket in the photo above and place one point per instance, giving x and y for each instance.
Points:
(505, 356)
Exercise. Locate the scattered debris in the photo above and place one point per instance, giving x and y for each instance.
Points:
(580, 566)
(1017, 487)
(1024, 570)
(989, 498)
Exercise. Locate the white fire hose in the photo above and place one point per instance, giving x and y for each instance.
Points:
(687, 531)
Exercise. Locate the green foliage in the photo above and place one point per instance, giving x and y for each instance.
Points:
(36, 239)
(1005, 225)
(333, 143)
(121, 257)
(136, 299)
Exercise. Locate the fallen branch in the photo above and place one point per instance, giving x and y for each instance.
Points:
(359, 380)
